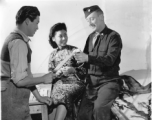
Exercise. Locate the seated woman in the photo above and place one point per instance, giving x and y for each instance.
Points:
(68, 85)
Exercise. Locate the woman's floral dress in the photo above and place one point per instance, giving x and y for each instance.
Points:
(66, 88)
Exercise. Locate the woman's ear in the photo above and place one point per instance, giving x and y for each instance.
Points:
(53, 39)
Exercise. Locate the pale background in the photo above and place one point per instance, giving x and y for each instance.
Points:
(130, 18)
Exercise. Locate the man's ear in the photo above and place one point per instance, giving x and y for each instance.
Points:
(101, 17)
(27, 20)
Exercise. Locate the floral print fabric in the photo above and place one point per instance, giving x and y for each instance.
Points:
(66, 88)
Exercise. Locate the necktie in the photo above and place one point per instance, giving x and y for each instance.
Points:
(95, 38)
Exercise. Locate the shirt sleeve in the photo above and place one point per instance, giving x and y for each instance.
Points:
(86, 52)
(18, 60)
(114, 49)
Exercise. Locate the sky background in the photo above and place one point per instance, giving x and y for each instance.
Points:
(130, 18)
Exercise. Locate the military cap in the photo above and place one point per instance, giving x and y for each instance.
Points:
(89, 10)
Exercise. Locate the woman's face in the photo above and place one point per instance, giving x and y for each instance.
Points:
(60, 38)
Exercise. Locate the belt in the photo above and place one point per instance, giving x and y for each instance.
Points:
(4, 83)
(102, 80)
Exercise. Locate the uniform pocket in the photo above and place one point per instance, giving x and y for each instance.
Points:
(101, 53)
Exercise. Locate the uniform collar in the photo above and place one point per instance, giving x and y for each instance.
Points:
(25, 37)
(103, 32)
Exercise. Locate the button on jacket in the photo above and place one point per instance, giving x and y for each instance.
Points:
(104, 56)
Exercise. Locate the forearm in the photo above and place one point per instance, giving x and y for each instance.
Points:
(42, 99)
(101, 60)
(35, 93)
(30, 81)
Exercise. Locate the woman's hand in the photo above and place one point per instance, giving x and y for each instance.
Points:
(68, 70)
(46, 100)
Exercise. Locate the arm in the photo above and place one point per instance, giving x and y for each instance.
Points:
(51, 65)
(20, 68)
(29, 81)
(41, 99)
(35, 92)
(114, 48)
(86, 51)
(79, 69)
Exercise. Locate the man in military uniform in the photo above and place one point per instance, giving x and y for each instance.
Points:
(102, 58)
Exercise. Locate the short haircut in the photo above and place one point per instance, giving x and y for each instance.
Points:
(53, 30)
(24, 12)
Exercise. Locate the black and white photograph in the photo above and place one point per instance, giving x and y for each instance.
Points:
(75, 59)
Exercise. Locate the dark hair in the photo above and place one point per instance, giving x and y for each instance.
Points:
(55, 28)
(30, 12)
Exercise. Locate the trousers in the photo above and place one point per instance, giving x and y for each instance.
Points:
(99, 107)
(15, 103)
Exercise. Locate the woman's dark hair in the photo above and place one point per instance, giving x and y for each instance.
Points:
(30, 12)
(55, 28)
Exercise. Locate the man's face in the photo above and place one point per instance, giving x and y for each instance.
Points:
(95, 20)
(33, 26)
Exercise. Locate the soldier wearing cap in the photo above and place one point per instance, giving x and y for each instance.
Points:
(101, 56)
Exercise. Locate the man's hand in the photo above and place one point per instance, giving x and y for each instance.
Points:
(48, 78)
(45, 100)
(81, 57)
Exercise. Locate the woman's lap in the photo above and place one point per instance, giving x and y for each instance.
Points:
(66, 91)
